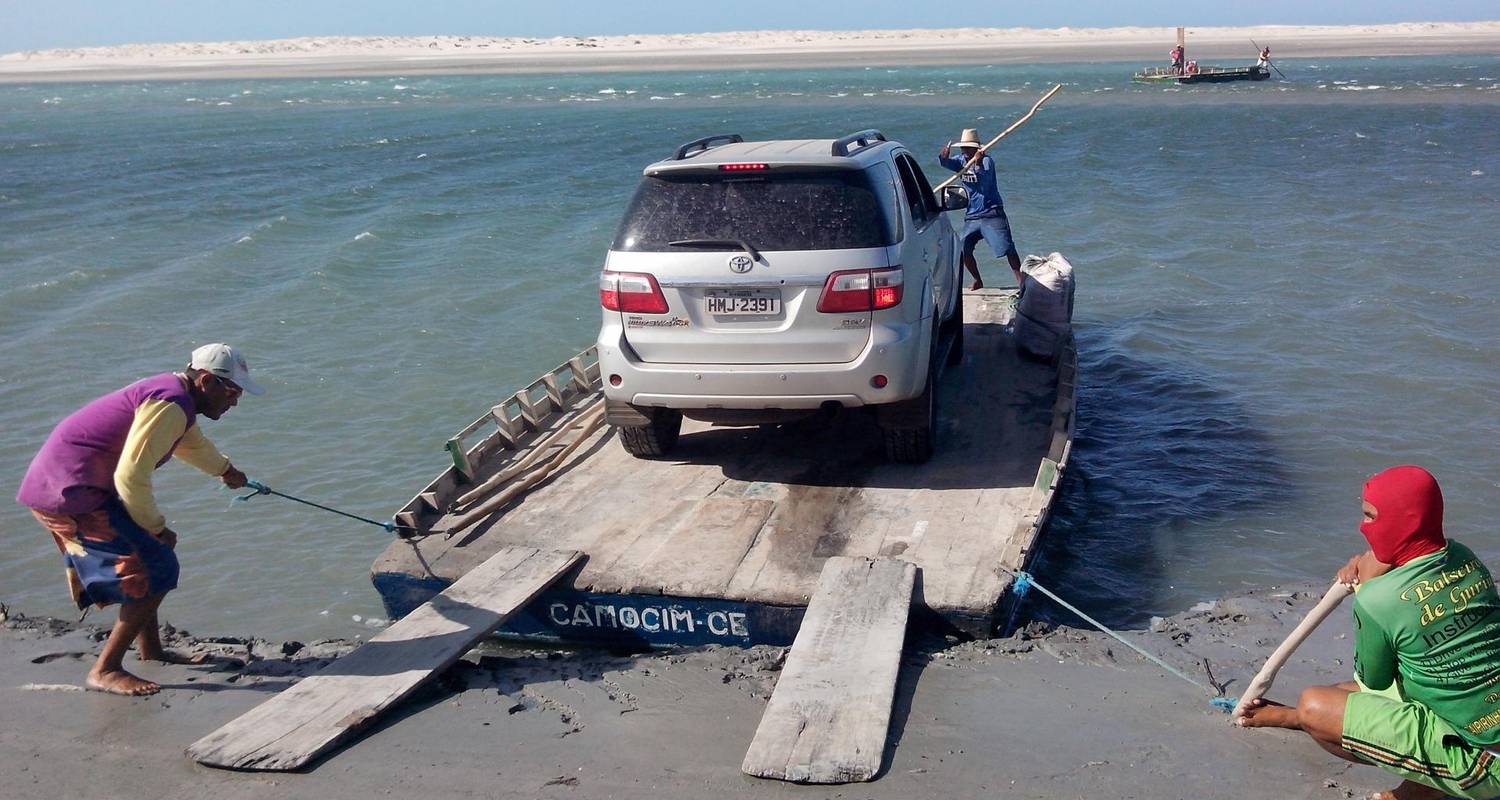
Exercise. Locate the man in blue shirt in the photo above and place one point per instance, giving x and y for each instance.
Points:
(986, 215)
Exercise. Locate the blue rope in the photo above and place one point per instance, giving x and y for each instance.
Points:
(261, 488)
(1024, 582)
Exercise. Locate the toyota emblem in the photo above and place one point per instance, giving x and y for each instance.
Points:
(740, 264)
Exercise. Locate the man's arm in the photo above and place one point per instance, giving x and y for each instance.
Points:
(197, 450)
(1374, 658)
(156, 428)
(948, 161)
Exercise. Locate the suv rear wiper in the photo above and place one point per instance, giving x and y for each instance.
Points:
(740, 243)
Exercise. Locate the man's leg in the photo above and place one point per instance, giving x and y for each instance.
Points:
(148, 645)
(967, 241)
(967, 259)
(1015, 265)
(108, 674)
(1320, 714)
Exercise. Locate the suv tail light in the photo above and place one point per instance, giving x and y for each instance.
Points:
(861, 290)
(632, 292)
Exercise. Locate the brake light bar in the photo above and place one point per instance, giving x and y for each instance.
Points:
(854, 290)
(631, 292)
(743, 167)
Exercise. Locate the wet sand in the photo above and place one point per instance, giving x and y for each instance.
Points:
(335, 56)
(1046, 713)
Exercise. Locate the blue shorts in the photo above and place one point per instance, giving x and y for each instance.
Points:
(995, 230)
(108, 557)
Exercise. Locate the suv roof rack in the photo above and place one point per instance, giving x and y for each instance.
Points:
(704, 144)
(861, 140)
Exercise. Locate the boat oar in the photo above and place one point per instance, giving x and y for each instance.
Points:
(1268, 61)
(261, 488)
(978, 154)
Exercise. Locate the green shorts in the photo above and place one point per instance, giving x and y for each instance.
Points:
(1412, 741)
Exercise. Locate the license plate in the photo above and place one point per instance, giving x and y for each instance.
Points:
(742, 302)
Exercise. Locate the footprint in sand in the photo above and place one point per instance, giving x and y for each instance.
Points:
(50, 657)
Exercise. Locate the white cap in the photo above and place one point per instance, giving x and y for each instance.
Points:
(225, 362)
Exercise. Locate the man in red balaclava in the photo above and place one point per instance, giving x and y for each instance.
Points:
(1426, 704)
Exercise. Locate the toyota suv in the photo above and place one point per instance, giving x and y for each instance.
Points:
(751, 283)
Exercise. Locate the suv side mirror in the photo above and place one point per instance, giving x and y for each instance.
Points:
(954, 198)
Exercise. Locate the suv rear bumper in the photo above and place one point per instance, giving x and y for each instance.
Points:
(898, 352)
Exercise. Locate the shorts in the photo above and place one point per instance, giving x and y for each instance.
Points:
(108, 558)
(1413, 742)
(995, 230)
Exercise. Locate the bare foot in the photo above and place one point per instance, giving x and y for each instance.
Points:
(169, 657)
(1409, 790)
(120, 682)
(978, 284)
(1264, 713)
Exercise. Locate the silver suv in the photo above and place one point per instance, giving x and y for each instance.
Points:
(752, 283)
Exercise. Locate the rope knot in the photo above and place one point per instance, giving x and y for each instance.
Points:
(1022, 584)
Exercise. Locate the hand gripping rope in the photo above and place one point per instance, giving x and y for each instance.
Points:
(261, 488)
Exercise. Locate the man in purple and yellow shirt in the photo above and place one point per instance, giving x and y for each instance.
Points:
(90, 486)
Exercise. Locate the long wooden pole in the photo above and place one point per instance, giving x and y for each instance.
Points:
(1261, 683)
(978, 154)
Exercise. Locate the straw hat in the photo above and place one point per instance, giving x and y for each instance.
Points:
(970, 138)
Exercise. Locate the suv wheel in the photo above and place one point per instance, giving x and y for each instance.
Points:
(656, 437)
(910, 426)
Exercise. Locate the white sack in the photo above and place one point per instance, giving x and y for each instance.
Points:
(1044, 314)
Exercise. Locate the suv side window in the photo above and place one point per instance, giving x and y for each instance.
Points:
(922, 183)
(913, 190)
(884, 184)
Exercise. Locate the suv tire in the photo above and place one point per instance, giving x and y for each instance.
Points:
(909, 427)
(655, 438)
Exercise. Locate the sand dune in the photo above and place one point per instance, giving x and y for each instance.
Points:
(349, 55)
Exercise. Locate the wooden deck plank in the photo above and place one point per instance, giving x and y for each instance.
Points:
(829, 716)
(296, 726)
(702, 552)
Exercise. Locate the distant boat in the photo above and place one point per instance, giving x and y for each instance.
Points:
(1184, 71)
(1203, 75)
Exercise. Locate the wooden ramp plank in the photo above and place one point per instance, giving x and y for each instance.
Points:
(296, 726)
(828, 718)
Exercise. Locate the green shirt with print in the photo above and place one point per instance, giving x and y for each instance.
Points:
(1433, 623)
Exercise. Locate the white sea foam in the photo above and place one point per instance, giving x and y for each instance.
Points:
(363, 236)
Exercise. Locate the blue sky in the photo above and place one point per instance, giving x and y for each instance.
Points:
(36, 24)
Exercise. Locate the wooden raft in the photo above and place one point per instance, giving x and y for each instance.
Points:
(828, 717)
(296, 726)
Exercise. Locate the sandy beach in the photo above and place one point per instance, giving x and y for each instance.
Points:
(1047, 713)
(334, 56)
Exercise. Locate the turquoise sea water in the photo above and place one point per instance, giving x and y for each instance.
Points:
(1284, 286)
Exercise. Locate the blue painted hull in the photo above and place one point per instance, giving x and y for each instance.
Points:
(621, 620)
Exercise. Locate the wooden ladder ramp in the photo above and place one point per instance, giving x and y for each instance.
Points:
(296, 726)
(828, 718)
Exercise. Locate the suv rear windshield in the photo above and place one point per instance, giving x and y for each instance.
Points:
(829, 210)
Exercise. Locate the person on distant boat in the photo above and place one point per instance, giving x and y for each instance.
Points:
(985, 217)
(1424, 703)
(1265, 58)
(90, 487)
(1192, 68)
(1177, 54)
